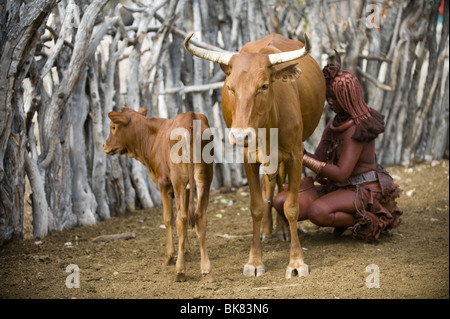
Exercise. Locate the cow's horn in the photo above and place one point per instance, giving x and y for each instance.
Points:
(278, 58)
(214, 56)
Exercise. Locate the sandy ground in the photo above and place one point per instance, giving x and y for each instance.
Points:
(412, 262)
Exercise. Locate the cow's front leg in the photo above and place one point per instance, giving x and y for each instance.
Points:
(255, 266)
(296, 262)
(166, 197)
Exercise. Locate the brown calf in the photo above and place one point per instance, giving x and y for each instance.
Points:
(152, 141)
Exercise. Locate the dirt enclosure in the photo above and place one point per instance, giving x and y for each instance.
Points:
(412, 262)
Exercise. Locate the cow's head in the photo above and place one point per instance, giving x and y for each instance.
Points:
(249, 84)
(122, 134)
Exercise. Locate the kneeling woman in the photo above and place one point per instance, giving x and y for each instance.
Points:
(354, 190)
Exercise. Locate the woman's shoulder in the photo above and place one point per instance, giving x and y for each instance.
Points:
(347, 127)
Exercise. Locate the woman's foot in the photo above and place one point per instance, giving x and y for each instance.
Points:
(338, 231)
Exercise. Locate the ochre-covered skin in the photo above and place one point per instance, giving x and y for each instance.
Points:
(355, 190)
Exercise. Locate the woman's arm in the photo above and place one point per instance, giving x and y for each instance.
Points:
(351, 151)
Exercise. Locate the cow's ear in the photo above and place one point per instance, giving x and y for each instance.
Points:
(289, 73)
(143, 111)
(226, 69)
(118, 118)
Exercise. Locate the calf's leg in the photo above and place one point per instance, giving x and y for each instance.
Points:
(187, 246)
(181, 222)
(203, 181)
(166, 197)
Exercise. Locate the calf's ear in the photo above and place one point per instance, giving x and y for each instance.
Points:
(143, 111)
(289, 73)
(118, 118)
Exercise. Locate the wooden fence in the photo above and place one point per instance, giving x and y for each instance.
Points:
(66, 64)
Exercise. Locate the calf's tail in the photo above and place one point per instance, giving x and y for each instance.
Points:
(191, 208)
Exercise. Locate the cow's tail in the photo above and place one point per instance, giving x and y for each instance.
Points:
(191, 208)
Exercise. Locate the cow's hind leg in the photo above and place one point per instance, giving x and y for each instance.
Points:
(282, 226)
(296, 263)
(255, 266)
(203, 179)
(267, 220)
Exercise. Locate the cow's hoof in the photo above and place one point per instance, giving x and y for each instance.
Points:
(207, 278)
(301, 271)
(169, 261)
(252, 271)
(180, 277)
(265, 238)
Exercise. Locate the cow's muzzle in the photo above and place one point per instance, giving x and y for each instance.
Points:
(242, 137)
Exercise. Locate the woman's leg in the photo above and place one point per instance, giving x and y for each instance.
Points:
(335, 209)
(278, 203)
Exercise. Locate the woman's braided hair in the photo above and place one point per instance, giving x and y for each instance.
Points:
(345, 87)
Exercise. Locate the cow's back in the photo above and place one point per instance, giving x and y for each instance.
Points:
(275, 43)
(310, 85)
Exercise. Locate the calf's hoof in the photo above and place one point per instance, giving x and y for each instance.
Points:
(301, 271)
(180, 277)
(252, 271)
(207, 278)
(169, 261)
(187, 255)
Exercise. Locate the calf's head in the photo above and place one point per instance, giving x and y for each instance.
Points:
(123, 131)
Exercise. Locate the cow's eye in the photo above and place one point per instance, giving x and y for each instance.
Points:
(263, 88)
(230, 90)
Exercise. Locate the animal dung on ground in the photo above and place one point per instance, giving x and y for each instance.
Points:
(122, 236)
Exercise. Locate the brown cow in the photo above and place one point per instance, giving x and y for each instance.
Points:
(154, 142)
(262, 91)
